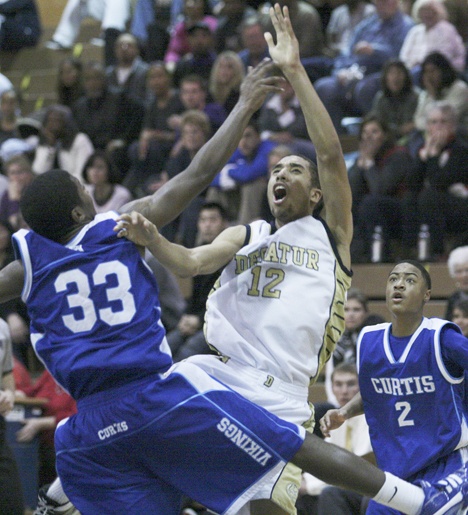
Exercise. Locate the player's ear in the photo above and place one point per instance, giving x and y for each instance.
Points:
(78, 214)
(315, 195)
(427, 296)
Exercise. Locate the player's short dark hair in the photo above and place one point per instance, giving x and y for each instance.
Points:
(421, 268)
(47, 204)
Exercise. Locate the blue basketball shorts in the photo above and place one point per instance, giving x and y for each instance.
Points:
(137, 449)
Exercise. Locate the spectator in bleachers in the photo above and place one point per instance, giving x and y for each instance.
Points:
(200, 58)
(231, 15)
(19, 172)
(355, 79)
(193, 93)
(70, 81)
(281, 120)
(225, 79)
(129, 72)
(157, 137)
(254, 46)
(61, 143)
(438, 182)
(242, 182)
(108, 117)
(378, 184)
(195, 130)
(433, 33)
(457, 264)
(58, 407)
(101, 182)
(397, 99)
(306, 23)
(20, 25)
(194, 11)
(188, 338)
(440, 82)
(113, 15)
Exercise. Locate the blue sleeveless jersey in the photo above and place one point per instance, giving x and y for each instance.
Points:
(94, 308)
(413, 406)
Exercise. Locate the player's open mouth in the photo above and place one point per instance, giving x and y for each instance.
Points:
(397, 297)
(279, 192)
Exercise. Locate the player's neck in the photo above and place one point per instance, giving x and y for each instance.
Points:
(406, 324)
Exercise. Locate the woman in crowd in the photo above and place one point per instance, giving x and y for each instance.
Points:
(101, 181)
(225, 79)
(397, 99)
(378, 183)
(61, 145)
(70, 81)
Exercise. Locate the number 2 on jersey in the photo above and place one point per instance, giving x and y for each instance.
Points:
(81, 299)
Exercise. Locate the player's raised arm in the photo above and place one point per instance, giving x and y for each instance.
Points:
(164, 205)
(330, 162)
(11, 281)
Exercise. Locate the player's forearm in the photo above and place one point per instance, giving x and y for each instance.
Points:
(319, 125)
(176, 258)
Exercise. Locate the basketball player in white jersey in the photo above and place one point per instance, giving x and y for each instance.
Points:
(277, 310)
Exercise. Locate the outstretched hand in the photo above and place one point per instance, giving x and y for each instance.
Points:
(285, 52)
(135, 227)
(258, 83)
(331, 420)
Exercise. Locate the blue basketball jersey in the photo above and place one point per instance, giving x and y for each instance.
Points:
(413, 405)
(94, 309)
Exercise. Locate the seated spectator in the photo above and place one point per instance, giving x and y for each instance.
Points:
(188, 338)
(70, 81)
(457, 264)
(316, 498)
(378, 183)
(149, 154)
(61, 144)
(440, 82)
(281, 120)
(108, 117)
(194, 11)
(231, 15)
(195, 131)
(129, 72)
(460, 316)
(254, 45)
(396, 101)
(433, 33)
(242, 182)
(355, 79)
(20, 25)
(193, 93)
(200, 58)
(113, 15)
(58, 407)
(101, 181)
(225, 79)
(307, 26)
(19, 172)
(437, 184)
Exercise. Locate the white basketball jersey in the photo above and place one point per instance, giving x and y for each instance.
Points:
(278, 305)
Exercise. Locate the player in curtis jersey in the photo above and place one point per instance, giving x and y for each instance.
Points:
(265, 315)
(411, 377)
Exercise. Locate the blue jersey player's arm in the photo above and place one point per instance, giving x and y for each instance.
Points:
(169, 201)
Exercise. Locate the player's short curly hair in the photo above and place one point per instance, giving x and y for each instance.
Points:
(47, 204)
